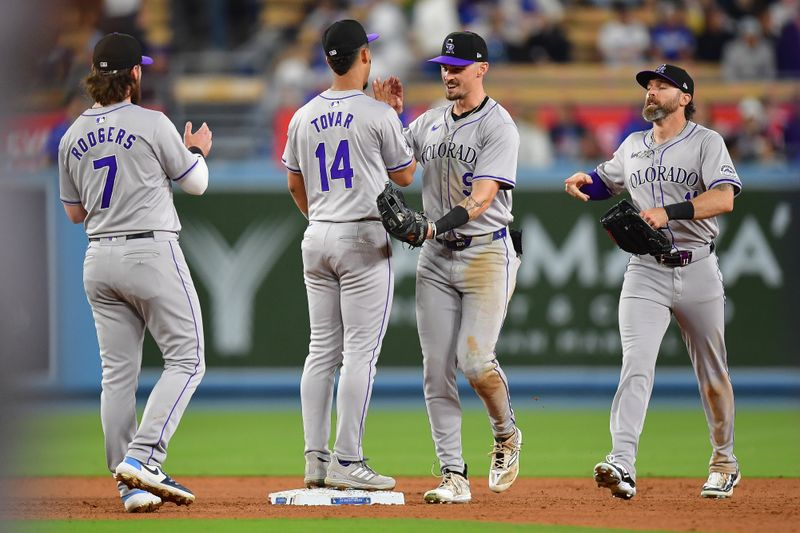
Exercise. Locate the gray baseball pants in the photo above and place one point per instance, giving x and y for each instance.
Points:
(349, 280)
(132, 285)
(462, 297)
(651, 293)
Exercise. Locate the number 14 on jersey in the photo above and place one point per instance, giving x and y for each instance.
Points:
(340, 166)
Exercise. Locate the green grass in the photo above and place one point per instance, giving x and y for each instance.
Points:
(299, 526)
(558, 443)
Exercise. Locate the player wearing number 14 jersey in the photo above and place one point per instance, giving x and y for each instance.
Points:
(341, 146)
(116, 164)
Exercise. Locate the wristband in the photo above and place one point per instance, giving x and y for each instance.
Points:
(458, 216)
(680, 211)
(196, 150)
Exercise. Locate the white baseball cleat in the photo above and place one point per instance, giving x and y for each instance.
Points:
(614, 477)
(141, 501)
(720, 485)
(505, 462)
(454, 488)
(152, 479)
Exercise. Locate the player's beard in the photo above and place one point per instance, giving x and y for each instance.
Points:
(653, 112)
(136, 92)
(455, 95)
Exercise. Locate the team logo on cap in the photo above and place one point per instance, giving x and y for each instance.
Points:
(103, 64)
(332, 53)
(661, 69)
(450, 48)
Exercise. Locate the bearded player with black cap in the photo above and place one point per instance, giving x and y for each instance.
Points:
(467, 268)
(117, 163)
(681, 177)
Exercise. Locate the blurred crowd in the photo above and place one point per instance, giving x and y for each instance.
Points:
(279, 41)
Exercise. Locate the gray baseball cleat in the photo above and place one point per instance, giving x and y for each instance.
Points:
(505, 462)
(151, 478)
(614, 477)
(720, 485)
(316, 469)
(454, 488)
(356, 475)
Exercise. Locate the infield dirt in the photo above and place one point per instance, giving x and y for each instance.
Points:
(758, 505)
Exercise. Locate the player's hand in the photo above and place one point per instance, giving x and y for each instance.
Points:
(655, 216)
(201, 138)
(389, 91)
(574, 183)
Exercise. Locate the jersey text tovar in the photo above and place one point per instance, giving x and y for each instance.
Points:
(664, 174)
(332, 119)
(466, 154)
(102, 136)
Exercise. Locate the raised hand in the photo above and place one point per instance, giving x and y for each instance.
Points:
(201, 138)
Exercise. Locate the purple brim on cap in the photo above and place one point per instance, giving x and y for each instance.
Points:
(371, 37)
(646, 75)
(146, 60)
(452, 61)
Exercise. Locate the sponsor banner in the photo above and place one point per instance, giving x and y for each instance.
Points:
(244, 252)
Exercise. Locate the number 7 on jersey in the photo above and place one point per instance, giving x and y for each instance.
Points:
(340, 167)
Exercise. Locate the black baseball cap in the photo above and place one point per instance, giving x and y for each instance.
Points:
(118, 51)
(344, 37)
(462, 48)
(675, 75)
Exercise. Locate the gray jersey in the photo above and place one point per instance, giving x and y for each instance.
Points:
(454, 154)
(117, 161)
(344, 143)
(677, 170)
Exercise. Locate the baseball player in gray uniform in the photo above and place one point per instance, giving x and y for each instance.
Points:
(117, 163)
(680, 175)
(341, 147)
(467, 269)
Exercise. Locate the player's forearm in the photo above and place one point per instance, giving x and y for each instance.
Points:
(483, 193)
(297, 188)
(713, 202)
(405, 176)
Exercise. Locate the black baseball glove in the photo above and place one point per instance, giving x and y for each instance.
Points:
(401, 222)
(632, 233)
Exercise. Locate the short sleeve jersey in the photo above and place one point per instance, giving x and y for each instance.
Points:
(344, 143)
(677, 170)
(117, 162)
(456, 153)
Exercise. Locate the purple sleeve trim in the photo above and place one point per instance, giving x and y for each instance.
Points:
(738, 185)
(295, 170)
(77, 202)
(187, 171)
(398, 167)
(597, 189)
(503, 181)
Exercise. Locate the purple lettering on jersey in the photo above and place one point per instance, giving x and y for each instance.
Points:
(92, 139)
(662, 174)
(82, 145)
(314, 122)
(76, 153)
(101, 135)
(120, 136)
(110, 136)
(129, 142)
(331, 119)
(348, 120)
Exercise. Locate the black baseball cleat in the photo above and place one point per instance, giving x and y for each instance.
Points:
(152, 479)
(614, 477)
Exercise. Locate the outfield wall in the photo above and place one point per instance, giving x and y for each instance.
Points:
(242, 240)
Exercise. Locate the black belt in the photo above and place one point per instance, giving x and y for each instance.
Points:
(145, 235)
(682, 258)
(466, 242)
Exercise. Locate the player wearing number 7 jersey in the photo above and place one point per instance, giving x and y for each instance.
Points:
(341, 146)
(117, 163)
